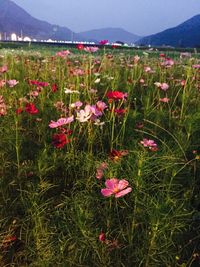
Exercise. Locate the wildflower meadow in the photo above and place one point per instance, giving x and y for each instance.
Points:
(100, 158)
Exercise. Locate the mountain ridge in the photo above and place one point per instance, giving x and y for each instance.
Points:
(185, 34)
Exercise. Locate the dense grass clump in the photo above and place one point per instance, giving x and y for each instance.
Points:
(100, 158)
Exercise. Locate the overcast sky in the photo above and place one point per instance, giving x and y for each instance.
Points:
(141, 17)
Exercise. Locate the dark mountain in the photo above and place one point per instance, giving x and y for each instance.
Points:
(187, 34)
(15, 19)
(110, 34)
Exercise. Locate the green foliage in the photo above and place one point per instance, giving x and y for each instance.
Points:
(51, 207)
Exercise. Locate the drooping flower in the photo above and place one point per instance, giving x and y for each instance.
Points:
(59, 140)
(31, 108)
(61, 122)
(102, 237)
(116, 187)
(100, 170)
(12, 83)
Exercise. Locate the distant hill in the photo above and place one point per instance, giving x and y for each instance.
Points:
(111, 34)
(187, 34)
(15, 19)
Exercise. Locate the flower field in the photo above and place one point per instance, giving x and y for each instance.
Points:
(100, 158)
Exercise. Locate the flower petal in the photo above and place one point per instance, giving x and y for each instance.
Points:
(106, 192)
(122, 184)
(123, 192)
(111, 183)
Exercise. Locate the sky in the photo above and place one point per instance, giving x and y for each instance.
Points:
(141, 17)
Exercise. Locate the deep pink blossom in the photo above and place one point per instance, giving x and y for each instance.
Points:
(116, 95)
(31, 109)
(116, 187)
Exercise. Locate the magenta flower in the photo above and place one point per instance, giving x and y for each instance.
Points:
(116, 187)
(61, 121)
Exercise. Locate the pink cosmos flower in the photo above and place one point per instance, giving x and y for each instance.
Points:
(147, 69)
(100, 105)
(84, 114)
(63, 53)
(61, 122)
(103, 42)
(162, 86)
(91, 49)
(168, 63)
(149, 143)
(196, 66)
(3, 69)
(164, 100)
(76, 104)
(12, 83)
(116, 187)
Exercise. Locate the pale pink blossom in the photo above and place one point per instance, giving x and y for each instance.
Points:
(149, 143)
(91, 49)
(168, 62)
(61, 122)
(101, 105)
(116, 187)
(12, 83)
(63, 54)
(3, 69)
(76, 104)
(164, 100)
(162, 86)
(84, 114)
